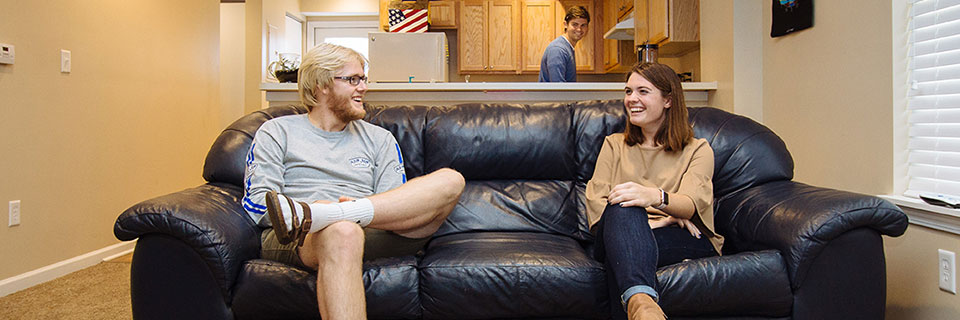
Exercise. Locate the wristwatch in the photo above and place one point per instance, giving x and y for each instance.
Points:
(664, 200)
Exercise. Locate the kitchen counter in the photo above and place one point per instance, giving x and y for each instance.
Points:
(443, 93)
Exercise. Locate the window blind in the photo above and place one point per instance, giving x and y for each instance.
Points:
(934, 98)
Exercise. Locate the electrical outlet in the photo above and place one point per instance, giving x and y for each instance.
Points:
(947, 271)
(65, 63)
(7, 53)
(14, 213)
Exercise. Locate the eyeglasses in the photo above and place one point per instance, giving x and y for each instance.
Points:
(353, 80)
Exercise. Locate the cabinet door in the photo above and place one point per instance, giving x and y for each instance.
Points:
(658, 21)
(503, 35)
(622, 7)
(472, 36)
(610, 14)
(443, 14)
(539, 28)
(587, 46)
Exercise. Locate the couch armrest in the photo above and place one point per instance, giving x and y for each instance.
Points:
(208, 219)
(800, 220)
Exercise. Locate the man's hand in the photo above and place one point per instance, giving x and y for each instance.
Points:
(682, 223)
(342, 199)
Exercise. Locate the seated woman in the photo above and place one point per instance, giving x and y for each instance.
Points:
(652, 176)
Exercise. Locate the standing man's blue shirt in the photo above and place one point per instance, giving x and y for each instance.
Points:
(558, 63)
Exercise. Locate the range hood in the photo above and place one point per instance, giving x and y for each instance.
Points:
(622, 31)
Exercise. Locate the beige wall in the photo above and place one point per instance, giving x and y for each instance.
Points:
(232, 66)
(253, 98)
(828, 92)
(133, 120)
(913, 290)
(716, 50)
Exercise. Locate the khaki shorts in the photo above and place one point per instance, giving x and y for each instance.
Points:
(378, 244)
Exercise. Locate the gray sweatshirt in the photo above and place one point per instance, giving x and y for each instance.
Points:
(292, 156)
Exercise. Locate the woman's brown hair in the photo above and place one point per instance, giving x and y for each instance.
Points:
(675, 131)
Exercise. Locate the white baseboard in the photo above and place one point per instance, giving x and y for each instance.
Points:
(62, 268)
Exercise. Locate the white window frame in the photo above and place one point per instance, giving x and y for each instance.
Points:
(919, 212)
(334, 20)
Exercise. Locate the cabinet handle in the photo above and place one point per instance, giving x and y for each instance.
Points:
(491, 67)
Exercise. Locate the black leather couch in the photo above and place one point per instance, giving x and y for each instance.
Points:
(517, 245)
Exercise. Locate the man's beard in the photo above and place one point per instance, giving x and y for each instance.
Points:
(343, 110)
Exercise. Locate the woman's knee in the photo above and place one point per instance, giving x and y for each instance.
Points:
(614, 212)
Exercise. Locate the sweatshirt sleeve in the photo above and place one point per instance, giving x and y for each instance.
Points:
(264, 171)
(697, 180)
(600, 184)
(390, 172)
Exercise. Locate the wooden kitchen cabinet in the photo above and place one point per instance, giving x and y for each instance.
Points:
(674, 25)
(489, 35)
(618, 55)
(538, 21)
(620, 7)
(443, 14)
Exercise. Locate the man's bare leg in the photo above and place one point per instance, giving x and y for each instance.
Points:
(417, 208)
(336, 252)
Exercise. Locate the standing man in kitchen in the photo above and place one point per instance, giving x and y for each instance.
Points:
(559, 62)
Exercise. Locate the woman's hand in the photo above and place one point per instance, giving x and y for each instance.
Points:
(631, 194)
(682, 223)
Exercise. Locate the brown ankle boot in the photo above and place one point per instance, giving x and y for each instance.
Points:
(642, 307)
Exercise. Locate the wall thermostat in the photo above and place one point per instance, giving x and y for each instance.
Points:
(6, 53)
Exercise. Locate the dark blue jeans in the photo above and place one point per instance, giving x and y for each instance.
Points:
(631, 252)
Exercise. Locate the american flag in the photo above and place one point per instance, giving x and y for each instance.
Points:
(410, 20)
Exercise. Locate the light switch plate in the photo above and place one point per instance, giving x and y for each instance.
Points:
(7, 53)
(65, 61)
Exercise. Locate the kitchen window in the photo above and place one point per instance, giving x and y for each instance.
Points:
(346, 29)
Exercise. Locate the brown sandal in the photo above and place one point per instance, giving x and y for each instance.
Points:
(297, 231)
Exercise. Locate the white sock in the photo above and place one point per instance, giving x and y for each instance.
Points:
(285, 209)
(324, 214)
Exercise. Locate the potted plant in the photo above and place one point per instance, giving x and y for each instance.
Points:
(285, 68)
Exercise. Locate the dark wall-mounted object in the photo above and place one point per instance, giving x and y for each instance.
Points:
(791, 16)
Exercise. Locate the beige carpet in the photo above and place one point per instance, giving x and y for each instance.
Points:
(98, 292)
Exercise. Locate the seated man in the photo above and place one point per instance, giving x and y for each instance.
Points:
(334, 185)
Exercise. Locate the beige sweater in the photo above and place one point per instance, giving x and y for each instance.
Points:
(688, 172)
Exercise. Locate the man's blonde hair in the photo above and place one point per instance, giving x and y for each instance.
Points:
(318, 68)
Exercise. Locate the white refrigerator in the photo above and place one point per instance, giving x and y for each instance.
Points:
(408, 57)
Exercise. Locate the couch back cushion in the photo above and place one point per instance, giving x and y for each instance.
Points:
(225, 160)
(501, 141)
(745, 152)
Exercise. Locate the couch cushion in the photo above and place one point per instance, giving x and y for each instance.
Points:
(407, 124)
(593, 121)
(501, 141)
(225, 161)
(743, 284)
(745, 152)
(273, 290)
(546, 206)
(491, 275)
